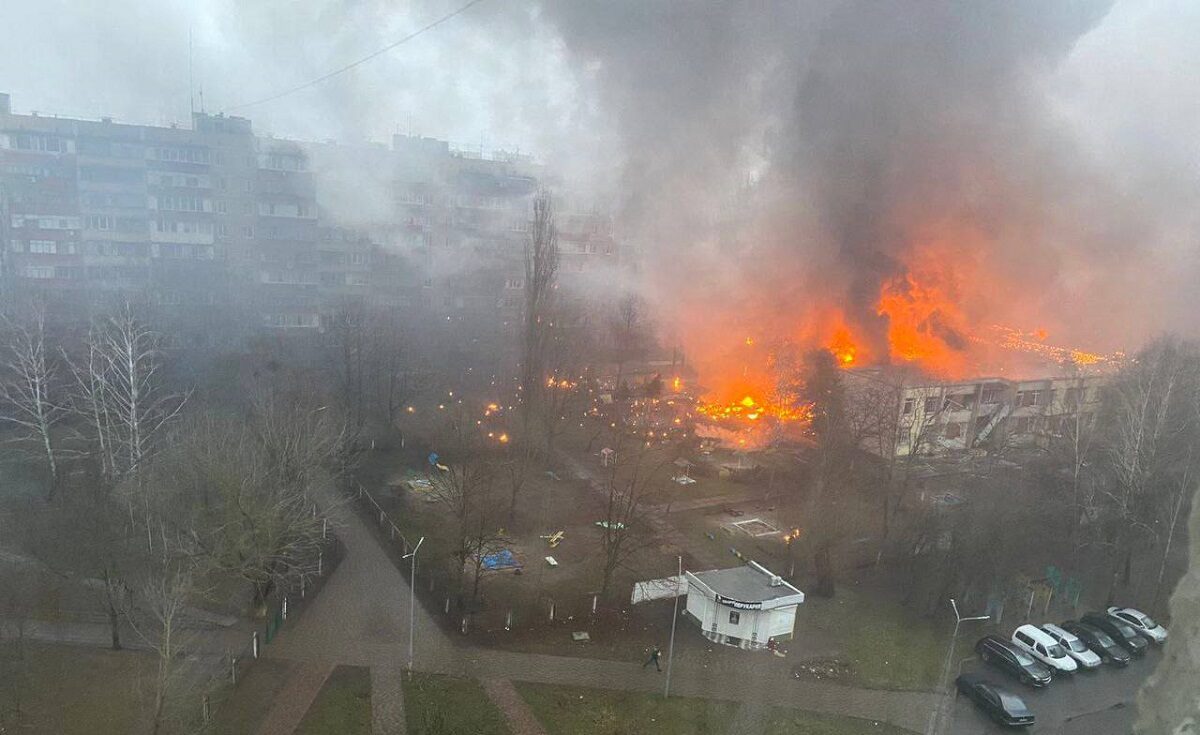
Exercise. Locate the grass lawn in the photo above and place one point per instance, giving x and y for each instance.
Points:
(343, 706)
(244, 706)
(443, 705)
(581, 711)
(885, 646)
(786, 721)
(70, 689)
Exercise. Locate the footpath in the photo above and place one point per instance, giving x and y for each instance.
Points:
(361, 619)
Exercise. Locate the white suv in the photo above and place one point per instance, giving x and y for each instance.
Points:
(1141, 622)
(1083, 655)
(1044, 648)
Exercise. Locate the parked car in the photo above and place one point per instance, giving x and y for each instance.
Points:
(1099, 642)
(1044, 648)
(1013, 661)
(1085, 657)
(1120, 632)
(1000, 704)
(1141, 622)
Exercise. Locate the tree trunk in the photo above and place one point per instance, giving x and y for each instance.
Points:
(824, 569)
(114, 624)
(53, 466)
(1162, 569)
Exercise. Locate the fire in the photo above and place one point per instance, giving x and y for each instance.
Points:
(926, 323)
(842, 345)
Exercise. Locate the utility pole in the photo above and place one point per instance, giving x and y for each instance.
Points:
(936, 717)
(674, 619)
(412, 600)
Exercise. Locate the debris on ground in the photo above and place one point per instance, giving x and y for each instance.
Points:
(822, 668)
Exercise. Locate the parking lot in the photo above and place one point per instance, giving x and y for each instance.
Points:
(1100, 702)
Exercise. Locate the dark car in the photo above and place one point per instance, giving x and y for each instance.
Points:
(1013, 661)
(1098, 641)
(1122, 633)
(1000, 704)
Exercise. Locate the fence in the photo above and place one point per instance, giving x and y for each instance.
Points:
(437, 588)
(283, 605)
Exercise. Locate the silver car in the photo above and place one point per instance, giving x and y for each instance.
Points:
(1141, 622)
(1084, 656)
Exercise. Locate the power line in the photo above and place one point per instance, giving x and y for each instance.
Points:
(363, 60)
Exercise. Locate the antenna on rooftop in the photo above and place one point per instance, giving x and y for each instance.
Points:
(191, 76)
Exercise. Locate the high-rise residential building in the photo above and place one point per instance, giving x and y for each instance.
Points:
(216, 222)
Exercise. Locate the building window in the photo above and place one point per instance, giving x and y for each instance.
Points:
(100, 222)
(46, 247)
(931, 405)
(358, 258)
(909, 404)
(734, 617)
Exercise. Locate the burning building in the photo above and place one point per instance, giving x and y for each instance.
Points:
(979, 414)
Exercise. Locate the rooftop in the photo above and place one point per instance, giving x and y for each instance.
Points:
(751, 583)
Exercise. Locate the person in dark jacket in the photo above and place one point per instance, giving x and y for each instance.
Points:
(654, 654)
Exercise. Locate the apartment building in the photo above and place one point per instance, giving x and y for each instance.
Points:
(984, 413)
(218, 219)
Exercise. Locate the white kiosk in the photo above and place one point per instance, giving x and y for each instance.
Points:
(744, 606)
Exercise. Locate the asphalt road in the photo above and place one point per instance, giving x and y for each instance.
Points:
(1099, 702)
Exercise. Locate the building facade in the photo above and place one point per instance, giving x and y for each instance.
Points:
(980, 414)
(274, 233)
(746, 607)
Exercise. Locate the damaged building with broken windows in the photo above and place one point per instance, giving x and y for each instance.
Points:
(930, 417)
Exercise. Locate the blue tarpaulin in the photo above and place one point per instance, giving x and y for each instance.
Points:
(502, 559)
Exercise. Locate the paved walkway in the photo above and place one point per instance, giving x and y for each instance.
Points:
(361, 618)
(387, 700)
(520, 718)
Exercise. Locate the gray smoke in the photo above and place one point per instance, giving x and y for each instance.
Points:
(782, 156)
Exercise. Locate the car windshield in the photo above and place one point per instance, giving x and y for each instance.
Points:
(1056, 651)
(1077, 645)
(1103, 639)
(1149, 621)
(1022, 658)
(1126, 631)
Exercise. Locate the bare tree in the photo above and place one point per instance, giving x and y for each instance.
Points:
(466, 490)
(349, 341)
(627, 333)
(120, 392)
(541, 271)
(1141, 412)
(164, 598)
(301, 441)
(30, 388)
(261, 522)
(632, 484)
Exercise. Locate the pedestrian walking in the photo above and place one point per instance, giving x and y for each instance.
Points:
(654, 654)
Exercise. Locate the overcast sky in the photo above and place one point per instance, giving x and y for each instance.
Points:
(498, 73)
(678, 102)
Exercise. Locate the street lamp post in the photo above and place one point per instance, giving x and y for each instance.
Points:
(674, 618)
(412, 599)
(935, 719)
